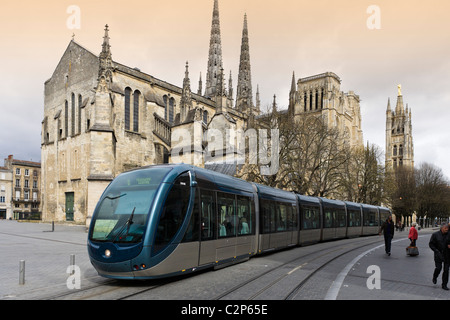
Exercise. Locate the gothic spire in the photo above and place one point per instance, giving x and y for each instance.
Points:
(258, 100)
(244, 98)
(215, 54)
(105, 58)
(186, 95)
(399, 109)
(293, 85)
(200, 85)
(230, 86)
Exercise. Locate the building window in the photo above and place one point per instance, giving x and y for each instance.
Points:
(2, 199)
(17, 183)
(171, 110)
(73, 115)
(127, 108)
(136, 98)
(395, 151)
(80, 105)
(26, 195)
(205, 117)
(27, 184)
(18, 171)
(27, 172)
(35, 184)
(401, 150)
(166, 110)
(66, 118)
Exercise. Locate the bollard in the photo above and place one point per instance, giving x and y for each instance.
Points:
(72, 263)
(53, 226)
(22, 272)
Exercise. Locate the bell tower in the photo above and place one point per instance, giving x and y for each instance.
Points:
(399, 139)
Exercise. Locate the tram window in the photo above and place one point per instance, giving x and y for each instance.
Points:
(173, 212)
(311, 218)
(267, 216)
(370, 218)
(208, 215)
(245, 215)
(291, 218)
(228, 220)
(329, 217)
(354, 218)
(340, 218)
(281, 217)
(192, 232)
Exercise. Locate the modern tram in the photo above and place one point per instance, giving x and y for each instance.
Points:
(166, 220)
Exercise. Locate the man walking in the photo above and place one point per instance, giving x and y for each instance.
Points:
(388, 228)
(439, 243)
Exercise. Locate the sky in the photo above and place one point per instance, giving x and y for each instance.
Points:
(403, 42)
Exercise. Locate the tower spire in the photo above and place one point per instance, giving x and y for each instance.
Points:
(215, 54)
(105, 58)
(186, 95)
(244, 98)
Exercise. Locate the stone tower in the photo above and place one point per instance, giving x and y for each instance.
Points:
(215, 64)
(399, 139)
(244, 98)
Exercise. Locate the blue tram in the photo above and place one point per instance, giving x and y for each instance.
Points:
(166, 220)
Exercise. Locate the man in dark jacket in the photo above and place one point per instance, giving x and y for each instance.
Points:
(439, 243)
(388, 228)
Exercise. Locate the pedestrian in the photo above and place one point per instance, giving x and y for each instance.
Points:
(388, 228)
(439, 243)
(413, 235)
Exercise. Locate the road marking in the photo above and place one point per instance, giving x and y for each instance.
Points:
(337, 284)
(295, 269)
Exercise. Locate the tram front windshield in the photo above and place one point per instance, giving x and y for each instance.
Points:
(122, 214)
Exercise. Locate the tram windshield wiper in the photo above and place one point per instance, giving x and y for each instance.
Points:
(127, 224)
(114, 198)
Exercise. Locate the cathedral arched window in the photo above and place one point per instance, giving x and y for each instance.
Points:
(401, 150)
(80, 105)
(205, 117)
(66, 119)
(72, 127)
(166, 109)
(127, 108)
(317, 100)
(305, 102)
(395, 151)
(171, 110)
(322, 93)
(136, 99)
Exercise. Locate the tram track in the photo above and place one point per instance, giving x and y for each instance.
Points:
(300, 263)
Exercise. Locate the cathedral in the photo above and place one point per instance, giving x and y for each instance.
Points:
(102, 118)
(399, 139)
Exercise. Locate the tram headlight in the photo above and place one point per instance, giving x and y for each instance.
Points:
(107, 253)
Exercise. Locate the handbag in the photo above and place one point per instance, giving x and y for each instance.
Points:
(412, 251)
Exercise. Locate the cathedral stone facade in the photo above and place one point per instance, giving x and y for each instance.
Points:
(399, 139)
(320, 95)
(102, 118)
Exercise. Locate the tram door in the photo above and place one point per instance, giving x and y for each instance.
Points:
(208, 223)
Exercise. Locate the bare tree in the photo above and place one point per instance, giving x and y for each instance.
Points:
(433, 192)
(363, 176)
